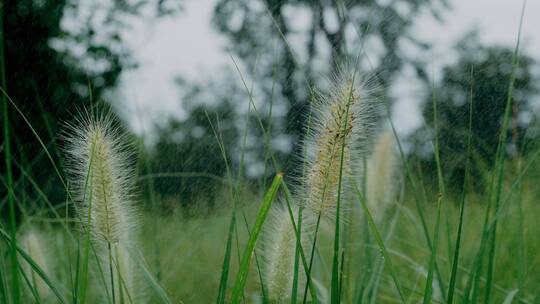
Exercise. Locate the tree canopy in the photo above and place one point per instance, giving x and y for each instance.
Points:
(58, 57)
(481, 76)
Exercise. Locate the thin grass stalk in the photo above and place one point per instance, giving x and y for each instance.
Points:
(241, 277)
(251, 104)
(380, 242)
(155, 224)
(336, 283)
(521, 228)
(268, 131)
(31, 285)
(80, 287)
(361, 286)
(274, 161)
(440, 183)
(222, 290)
(429, 282)
(35, 267)
(312, 254)
(496, 185)
(257, 263)
(309, 284)
(410, 179)
(294, 291)
(15, 293)
(317, 225)
(299, 249)
(111, 272)
(380, 265)
(38, 138)
(233, 231)
(500, 158)
(239, 180)
(3, 284)
(457, 246)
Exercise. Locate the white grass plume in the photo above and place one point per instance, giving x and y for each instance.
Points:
(32, 243)
(381, 175)
(347, 118)
(279, 252)
(99, 166)
(102, 179)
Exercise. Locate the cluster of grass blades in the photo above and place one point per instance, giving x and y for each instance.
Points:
(351, 256)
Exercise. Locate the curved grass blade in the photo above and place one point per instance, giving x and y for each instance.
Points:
(455, 262)
(500, 159)
(300, 250)
(35, 268)
(241, 276)
(30, 285)
(7, 157)
(380, 242)
(335, 289)
(429, 282)
(162, 295)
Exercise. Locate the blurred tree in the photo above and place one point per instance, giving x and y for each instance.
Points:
(481, 75)
(58, 56)
(286, 45)
(189, 145)
(188, 156)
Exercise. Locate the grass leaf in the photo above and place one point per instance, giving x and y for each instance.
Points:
(241, 276)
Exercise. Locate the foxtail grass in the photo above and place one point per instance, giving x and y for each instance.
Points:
(100, 171)
(280, 252)
(33, 243)
(343, 124)
(381, 175)
(341, 132)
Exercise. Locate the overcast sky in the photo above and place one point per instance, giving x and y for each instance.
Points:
(187, 45)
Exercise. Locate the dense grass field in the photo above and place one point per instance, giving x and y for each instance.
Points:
(184, 254)
(191, 249)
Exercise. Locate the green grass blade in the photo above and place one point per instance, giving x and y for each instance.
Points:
(3, 285)
(380, 242)
(9, 173)
(226, 261)
(457, 246)
(335, 287)
(224, 277)
(501, 159)
(35, 268)
(429, 282)
(257, 263)
(241, 276)
(417, 200)
(440, 182)
(31, 286)
(42, 144)
(153, 283)
(299, 248)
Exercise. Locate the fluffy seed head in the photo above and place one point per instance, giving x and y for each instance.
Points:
(98, 164)
(31, 242)
(279, 251)
(381, 175)
(343, 124)
(100, 175)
